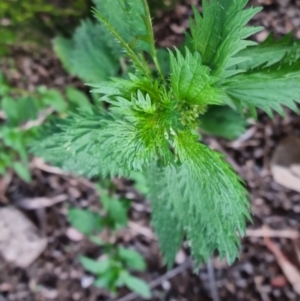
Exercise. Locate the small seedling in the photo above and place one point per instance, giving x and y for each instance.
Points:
(112, 270)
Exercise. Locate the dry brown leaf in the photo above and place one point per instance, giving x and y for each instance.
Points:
(40, 164)
(4, 183)
(279, 281)
(41, 202)
(258, 280)
(141, 230)
(236, 144)
(267, 232)
(285, 163)
(39, 121)
(290, 271)
(74, 235)
(296, 243)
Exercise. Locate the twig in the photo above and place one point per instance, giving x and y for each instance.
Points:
(290, 270)
(267, 232)
(212, 281)
(41, 202)
(141, 230)
(169, 275)
(246, 136)
(40, 120)
(214, 144)
(40, 164)
(258, 284)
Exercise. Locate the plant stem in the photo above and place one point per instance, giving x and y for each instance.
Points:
(212, 281)
(150, 32)
(135, 59)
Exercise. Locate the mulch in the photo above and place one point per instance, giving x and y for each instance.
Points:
(57, 274)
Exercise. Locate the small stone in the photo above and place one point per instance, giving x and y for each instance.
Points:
(285, 165)
(74, 234)
(166, 285)
(87, 281)
(20, 241)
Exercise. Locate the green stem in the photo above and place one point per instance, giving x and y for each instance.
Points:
(131, 53)
(149, 28)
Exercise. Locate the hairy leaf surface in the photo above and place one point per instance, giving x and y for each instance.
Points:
(126, 16)
(128, 137)
(108, 90)
(268, 88)
(269, 52)
(191, 80)
(87, 55)
(166, 224)
(208, 199)
(220, 32)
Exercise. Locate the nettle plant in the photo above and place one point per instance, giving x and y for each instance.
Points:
(153, 119)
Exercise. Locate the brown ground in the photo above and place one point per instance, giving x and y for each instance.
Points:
(57, 275)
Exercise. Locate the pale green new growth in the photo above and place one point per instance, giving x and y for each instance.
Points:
(153, 119)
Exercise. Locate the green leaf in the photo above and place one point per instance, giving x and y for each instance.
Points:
(206, 197)
(163, 59)
(19, 110)
(215, 192)
(127, 138)
(10, 109)
(85, 221)
(79, 99)
(137, 61)
(22, 171)
(109, 280)
(137, 285)
(126, 88)
(132, 259)
(165, 223)
(191, 80)
(126, 16)
(16, 140)
(140, 182)
(220, 33)
(269, 52)
(222, 121)
(72, 143)
(267, 88)
(103, 281)
(133, 137)
(92, 58)
(4, 87)
(87, 55)
(96, 240)
(64, 49)
(94, 266)
(117, 211)
(53, 98)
